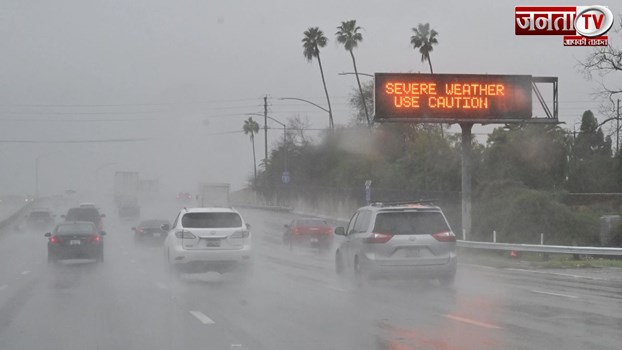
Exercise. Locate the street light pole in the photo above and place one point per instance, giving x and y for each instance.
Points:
(284, 142)
(332, 126)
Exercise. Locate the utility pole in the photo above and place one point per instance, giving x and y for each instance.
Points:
(618, 129)
(265, 129)
(466, 178)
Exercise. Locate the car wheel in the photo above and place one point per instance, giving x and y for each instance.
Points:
(360, 277)
(447, 280)
(339, 268)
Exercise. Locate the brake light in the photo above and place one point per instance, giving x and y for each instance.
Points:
(378, 238)
(95, 238)
(53, 240)
(327, 231)
(445, 236)
(296, 230)
(185, 234)
(240, 234)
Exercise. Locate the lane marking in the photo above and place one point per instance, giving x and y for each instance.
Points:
(470, 321)
(3, 287)
(202, 317)
(338, 289)
(25, 272)
(560, 274)
(554, 294)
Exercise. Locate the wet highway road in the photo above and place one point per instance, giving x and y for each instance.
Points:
(293, 300)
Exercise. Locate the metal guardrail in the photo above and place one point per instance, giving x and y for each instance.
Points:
(552, 249)
(536, 248)
(16, 215)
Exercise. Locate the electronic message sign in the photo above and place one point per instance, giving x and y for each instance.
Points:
(452, 97)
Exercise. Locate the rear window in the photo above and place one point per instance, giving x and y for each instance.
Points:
(83, 214)
(153, 223)
(40, 214)
(77, 228)
(310, 222)
(211, 220)
(410, 223)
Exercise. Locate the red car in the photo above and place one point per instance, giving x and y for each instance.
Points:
(315, 232)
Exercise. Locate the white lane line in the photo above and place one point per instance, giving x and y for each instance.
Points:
(559, 274)
(554, 294)
(202, 317)
(3, 287)
(470, 321)
(161, 285)
(338, 289)
(25, 272)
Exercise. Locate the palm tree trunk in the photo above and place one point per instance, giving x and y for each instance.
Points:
(358, 81)
(430, 63)
(254, 159)
(432, 72)
(330, 110)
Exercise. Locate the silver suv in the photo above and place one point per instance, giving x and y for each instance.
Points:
(397, 240)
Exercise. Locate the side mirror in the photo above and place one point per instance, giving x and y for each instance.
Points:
(340, 231)
(47, 235)
(286, 226)
(248, 226)
(133, 228)
(63, 216)
(165, 227)
(102, 233)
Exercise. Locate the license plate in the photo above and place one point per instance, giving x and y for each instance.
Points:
(75, 242)
(213, 243)
(157, 234)
(413, 253)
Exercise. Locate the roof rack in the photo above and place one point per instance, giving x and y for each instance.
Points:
(404, 202)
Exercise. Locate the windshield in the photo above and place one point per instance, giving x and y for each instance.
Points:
(211, 220)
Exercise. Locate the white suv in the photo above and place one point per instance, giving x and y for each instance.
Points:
(208, 239)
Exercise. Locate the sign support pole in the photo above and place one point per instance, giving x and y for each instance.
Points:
(466, 177)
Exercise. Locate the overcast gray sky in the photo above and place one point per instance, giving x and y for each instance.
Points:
(183, 73)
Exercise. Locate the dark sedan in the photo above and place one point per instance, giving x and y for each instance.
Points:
(75, 240)
(150, 231)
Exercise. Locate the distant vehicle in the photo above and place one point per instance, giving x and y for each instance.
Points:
(85, 214)
(40, 218)
(129, 209)
(208, 239)
(126, 186)
(397, 240)
(184, 197)
(75, 240)
(315, 232)
(150, 231)
(213, 195)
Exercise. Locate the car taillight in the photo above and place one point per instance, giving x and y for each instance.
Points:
(378, 238)
(95, 239)
(185, 234)
(53, 240)
(445, 236)
(240, 234)
(327, 231)
(296, 230)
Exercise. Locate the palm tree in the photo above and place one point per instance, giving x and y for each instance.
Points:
(424, 39)
(348, 35)
(251, 127)
(314, 39)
